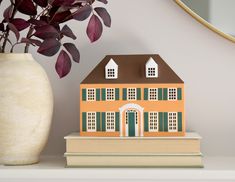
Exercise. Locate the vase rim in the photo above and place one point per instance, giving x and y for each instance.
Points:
(15, 56)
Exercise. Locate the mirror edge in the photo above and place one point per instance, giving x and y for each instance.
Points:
(204, 22)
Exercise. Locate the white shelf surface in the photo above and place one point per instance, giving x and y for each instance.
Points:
(53, 169)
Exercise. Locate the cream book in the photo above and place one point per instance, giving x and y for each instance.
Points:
(132, 160)
(190, 143)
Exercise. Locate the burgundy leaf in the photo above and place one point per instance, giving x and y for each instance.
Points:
(62, 2)
(103, 1)
(8, 13)
(37, 22)
(42, 3)
(72, 49)
(44, 18)
(94, 28)
(62, 16)
(63, 64)
(26, 7)
(82, 13)
(46, 31)
(104, 15)
(14, 30)
(68, 32)
(49, 47)
(2, 28)
(20, 23)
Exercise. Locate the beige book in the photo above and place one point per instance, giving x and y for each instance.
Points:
(190, 143)
(131, 160)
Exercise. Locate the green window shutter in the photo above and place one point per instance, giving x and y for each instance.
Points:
(165, 94)
(116, 93)
(103, 121)
(160, 94)
(124, 92)
(97, 121)
(83, 121)
(179, 93)
(117, 120)
(103, 90)
(160, 121)
(179, 121)
(165, 121)
(84, 94)
(97, 94)
(146, 121)
(146, 93)
(138, 93)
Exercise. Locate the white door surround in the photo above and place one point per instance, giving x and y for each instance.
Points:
(131, 106)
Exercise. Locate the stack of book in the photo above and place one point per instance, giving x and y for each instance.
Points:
(133, 151)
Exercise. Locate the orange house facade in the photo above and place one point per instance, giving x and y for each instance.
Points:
(132, 96)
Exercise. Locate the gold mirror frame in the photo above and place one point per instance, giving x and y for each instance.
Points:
(204, 22)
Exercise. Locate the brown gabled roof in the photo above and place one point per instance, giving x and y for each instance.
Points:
(131, 69)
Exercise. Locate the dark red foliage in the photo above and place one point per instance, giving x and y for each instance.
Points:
(63, 64)
(94, 28)
(104, 15)
(20, 23)
(72, 49)
(45, 29)
(45, 32)
(26, 7)
(49, 47)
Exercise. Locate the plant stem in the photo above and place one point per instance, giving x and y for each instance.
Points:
(8, 31)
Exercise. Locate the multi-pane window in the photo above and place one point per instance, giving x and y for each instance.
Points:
(172, 122)
(151, 72)
(110, 94)
(153, 95)
(172, 94)
(110, 121)
(131, 94)
(90, 94)
(91, 121)
(153, 121)
(111, 73)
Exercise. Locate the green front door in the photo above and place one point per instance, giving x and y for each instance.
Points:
(131, 124)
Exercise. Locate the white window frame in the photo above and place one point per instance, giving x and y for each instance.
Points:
(169, 92)
(87, 94)
(108, 98)
(149, 72)
(128, 95)
(111, 73)
(153, 121)
(172, 121)
(111, 121)
(92, 122)
(149, 94)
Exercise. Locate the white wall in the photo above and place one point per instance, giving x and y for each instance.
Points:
(203, 59)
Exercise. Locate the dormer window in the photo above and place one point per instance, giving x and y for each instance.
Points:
(111, 70)
(151, 68)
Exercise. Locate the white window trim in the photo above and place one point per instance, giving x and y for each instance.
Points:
(128, 94)
(106, 119)
(176, 130)
(91, 130)
(148, 72)
(154, 130)
(149, 94)
(87, 94)
(168, 93)
(106, 95)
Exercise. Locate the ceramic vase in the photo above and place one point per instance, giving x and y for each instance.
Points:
(26, 107)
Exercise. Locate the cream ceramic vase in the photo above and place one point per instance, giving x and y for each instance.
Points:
(26, 106)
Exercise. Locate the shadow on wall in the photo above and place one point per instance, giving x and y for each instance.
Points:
(66, 93)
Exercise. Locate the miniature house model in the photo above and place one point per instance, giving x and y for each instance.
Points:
(132, 95)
